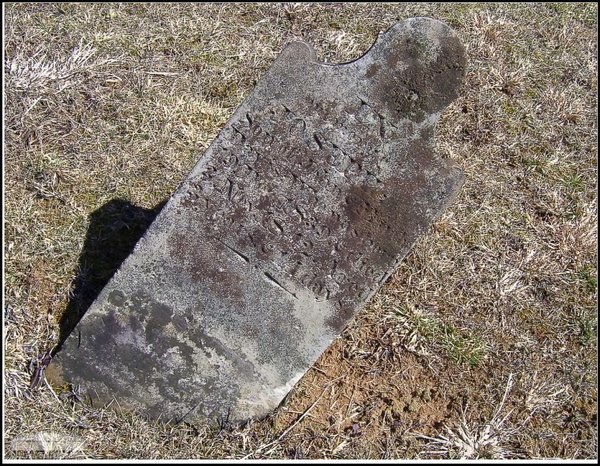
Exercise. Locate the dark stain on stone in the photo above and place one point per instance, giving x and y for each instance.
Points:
(223, 283)
(116, 298)
(180, 323)
(111, 323)
(373, 214)
(135, 323)
(339, 319)
(244, 366)
(139, 304)
(421, 89)
(372, 70)
(160, 314)
(200, 268)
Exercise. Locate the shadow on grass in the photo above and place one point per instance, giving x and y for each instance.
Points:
(114, 230)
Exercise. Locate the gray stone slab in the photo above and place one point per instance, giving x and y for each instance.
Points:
(297, 213)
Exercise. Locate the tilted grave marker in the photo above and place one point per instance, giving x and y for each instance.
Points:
(300, 209)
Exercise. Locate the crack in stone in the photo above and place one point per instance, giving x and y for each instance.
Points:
(273, 281)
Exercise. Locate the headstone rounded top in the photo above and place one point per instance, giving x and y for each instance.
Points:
(422, 55)
(414, 70)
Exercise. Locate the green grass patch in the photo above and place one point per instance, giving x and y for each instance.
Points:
(458, 345)
(589, 276)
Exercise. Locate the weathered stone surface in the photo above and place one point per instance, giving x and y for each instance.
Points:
(300, 209)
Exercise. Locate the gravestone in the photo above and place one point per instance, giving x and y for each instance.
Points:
(304, 204)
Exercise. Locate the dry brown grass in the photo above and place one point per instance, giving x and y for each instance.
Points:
(483, 344)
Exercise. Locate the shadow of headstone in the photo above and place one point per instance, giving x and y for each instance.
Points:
(114, 230)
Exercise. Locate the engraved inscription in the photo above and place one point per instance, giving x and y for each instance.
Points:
(292, 184)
